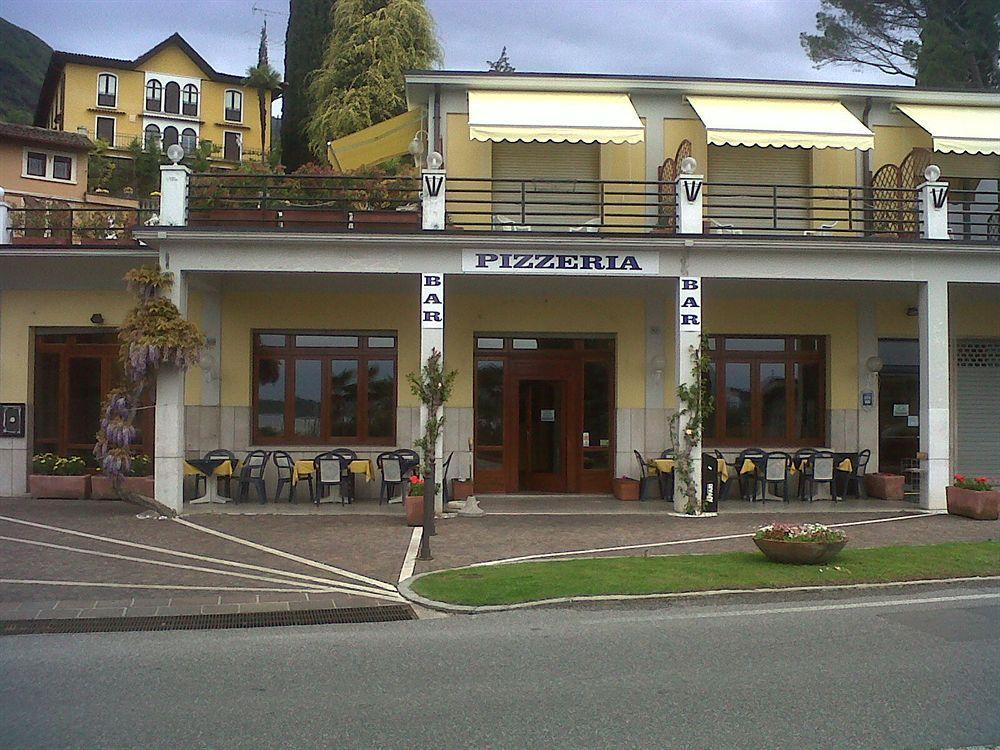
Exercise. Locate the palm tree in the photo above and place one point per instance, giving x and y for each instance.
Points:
(264, 79)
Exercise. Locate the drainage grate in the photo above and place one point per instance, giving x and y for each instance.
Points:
(388, 613)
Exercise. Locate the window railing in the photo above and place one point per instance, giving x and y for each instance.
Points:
(303, 202)
(58, 226)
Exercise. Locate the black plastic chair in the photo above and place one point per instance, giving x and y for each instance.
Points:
(856, 480)
(800, 462)
(285, 465)
(666, 478)
(645, 478)
(328, 471)
(410, 459)
(725, 488)
(848, 479)
(227, 479)
(821, 465)
(777, 470)
(750, 481)
(390, 466)
(346, 455)
(252, 475)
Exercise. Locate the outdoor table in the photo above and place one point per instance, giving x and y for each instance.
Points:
(662, 465)
(305, 467)
(208, 467)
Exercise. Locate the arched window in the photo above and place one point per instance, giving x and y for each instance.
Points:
(234, 105)
(172, 98)
(169, 136)
(189, 100)
(189, 140)
(152, 137)
(107, 90)
(154, 95)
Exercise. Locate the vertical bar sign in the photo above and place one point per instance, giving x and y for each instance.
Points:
(689, 303)
(432, 300)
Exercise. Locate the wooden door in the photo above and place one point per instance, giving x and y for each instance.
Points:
(542, 436)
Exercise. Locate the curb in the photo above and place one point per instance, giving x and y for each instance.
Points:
(681, 597)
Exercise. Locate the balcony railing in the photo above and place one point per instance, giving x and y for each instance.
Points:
(76, 226)
(974, 215)
(304, 202)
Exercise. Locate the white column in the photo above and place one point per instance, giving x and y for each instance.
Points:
(432, 193)
(688, 338)
(432, 337)
(169, 448)
(935, 387)
(867, 381)
(933, 198)
(689, 199)
(173, 195)
(4, 220)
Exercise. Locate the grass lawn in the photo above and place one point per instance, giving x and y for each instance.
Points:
(531, 581)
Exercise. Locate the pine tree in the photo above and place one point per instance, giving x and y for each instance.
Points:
(372, 44)
(309, 24)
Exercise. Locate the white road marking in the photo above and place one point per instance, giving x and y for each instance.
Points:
(650, 545)
(410, 559)
(190, 556)
(289, 556)
(36, 581)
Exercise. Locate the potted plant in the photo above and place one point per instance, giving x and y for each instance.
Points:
(140, 477)
(55, 476)
(799, 544)
(885, 486)
(414, 501)
(973, 498)
(461, 489)
(625, 488)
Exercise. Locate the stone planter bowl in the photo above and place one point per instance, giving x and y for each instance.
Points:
(799, 553)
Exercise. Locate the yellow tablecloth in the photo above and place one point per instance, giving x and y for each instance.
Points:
(662, 465)
(363, 466)
(846, 465)
(225, 469)
(748, 466)
(723, 470)
(305, 468)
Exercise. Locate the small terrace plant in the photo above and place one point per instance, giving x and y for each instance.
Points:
(803, 532)
(977, 484)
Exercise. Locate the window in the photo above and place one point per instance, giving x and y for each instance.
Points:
(106, 130)
(232, 148)
(170, 136)
(62, 168)
(234, 105)
(107, 90)
(36, 164)
(152, 137)
(316, 388)
(189, 140)
(189, 100)
(172, 98)
(154, 95)
(767, 390)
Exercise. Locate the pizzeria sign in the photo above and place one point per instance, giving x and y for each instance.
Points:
(639, 263)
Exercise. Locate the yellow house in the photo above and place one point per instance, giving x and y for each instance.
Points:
(169, 94)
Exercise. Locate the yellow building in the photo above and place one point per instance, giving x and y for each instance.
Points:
(169, 94)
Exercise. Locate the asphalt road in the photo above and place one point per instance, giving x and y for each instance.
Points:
(921, 671)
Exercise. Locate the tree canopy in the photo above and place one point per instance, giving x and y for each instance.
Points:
(361, 82)
(945, 43)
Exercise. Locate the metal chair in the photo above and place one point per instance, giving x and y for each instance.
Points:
(645, 478)
(821, 464)
(749, 482)
(252, 475)
(227, 480)
(390, 466)
(666, 478)
(777, 470)
(328, 472)
(286, 475)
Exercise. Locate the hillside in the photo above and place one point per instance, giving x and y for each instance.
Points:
(23, 60)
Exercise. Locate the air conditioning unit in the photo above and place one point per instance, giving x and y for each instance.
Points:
(12, 420)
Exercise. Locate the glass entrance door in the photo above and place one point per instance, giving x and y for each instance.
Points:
(542, 454)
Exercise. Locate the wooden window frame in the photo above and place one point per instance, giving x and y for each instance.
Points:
(291, 354)
(789, 357)
(226, 109)
(156, 86)
(189, 91)
(110, 76)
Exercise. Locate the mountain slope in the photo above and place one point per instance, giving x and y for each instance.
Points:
(23, 61)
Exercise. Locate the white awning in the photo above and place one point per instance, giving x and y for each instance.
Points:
(958, 130)
(553, 116)
(791, 123)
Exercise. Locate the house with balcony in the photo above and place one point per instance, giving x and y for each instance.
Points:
(169, 94)
(570, 240)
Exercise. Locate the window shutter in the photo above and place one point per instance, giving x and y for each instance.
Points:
(764, 167)
(977, 407)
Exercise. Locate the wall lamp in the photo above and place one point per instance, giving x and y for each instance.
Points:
(97, 319)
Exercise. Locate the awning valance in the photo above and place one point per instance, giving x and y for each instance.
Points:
(958, 130)
(792, 123)
(378, 142)
(553, 116)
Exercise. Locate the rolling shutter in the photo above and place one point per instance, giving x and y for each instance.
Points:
(763, 167)
(540, 169)
(977, 407)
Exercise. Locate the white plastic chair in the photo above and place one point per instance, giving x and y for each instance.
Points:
(591, 225)
(507, 224)
(719, 228)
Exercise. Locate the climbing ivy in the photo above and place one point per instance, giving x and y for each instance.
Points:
(695, 406)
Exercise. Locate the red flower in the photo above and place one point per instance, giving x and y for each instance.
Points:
(981, 479)
(960, 477)
(414, 479)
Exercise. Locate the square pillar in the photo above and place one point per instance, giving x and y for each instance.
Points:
(169, 433)
(432, 337)
(935, 393)
(867, 381)
(689, 319)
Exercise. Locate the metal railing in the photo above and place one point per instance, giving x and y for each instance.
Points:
(303, 202)
(59, 226)
(843, 210)
(974, 214)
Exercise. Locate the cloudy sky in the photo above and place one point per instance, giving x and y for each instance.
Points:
(726, 38)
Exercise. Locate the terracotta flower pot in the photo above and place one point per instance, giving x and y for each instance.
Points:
(799, 553)
(144, 486)
(414, 510)
(461, 489)
(885, 486)
(978, 504)
(45, 485)
(384, 221)
(305, 218)
(625, 489)
(102, 488)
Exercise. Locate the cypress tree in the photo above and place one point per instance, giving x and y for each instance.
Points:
(309, 24)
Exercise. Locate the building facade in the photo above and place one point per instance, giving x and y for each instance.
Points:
(571, 241)
(169, 94)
